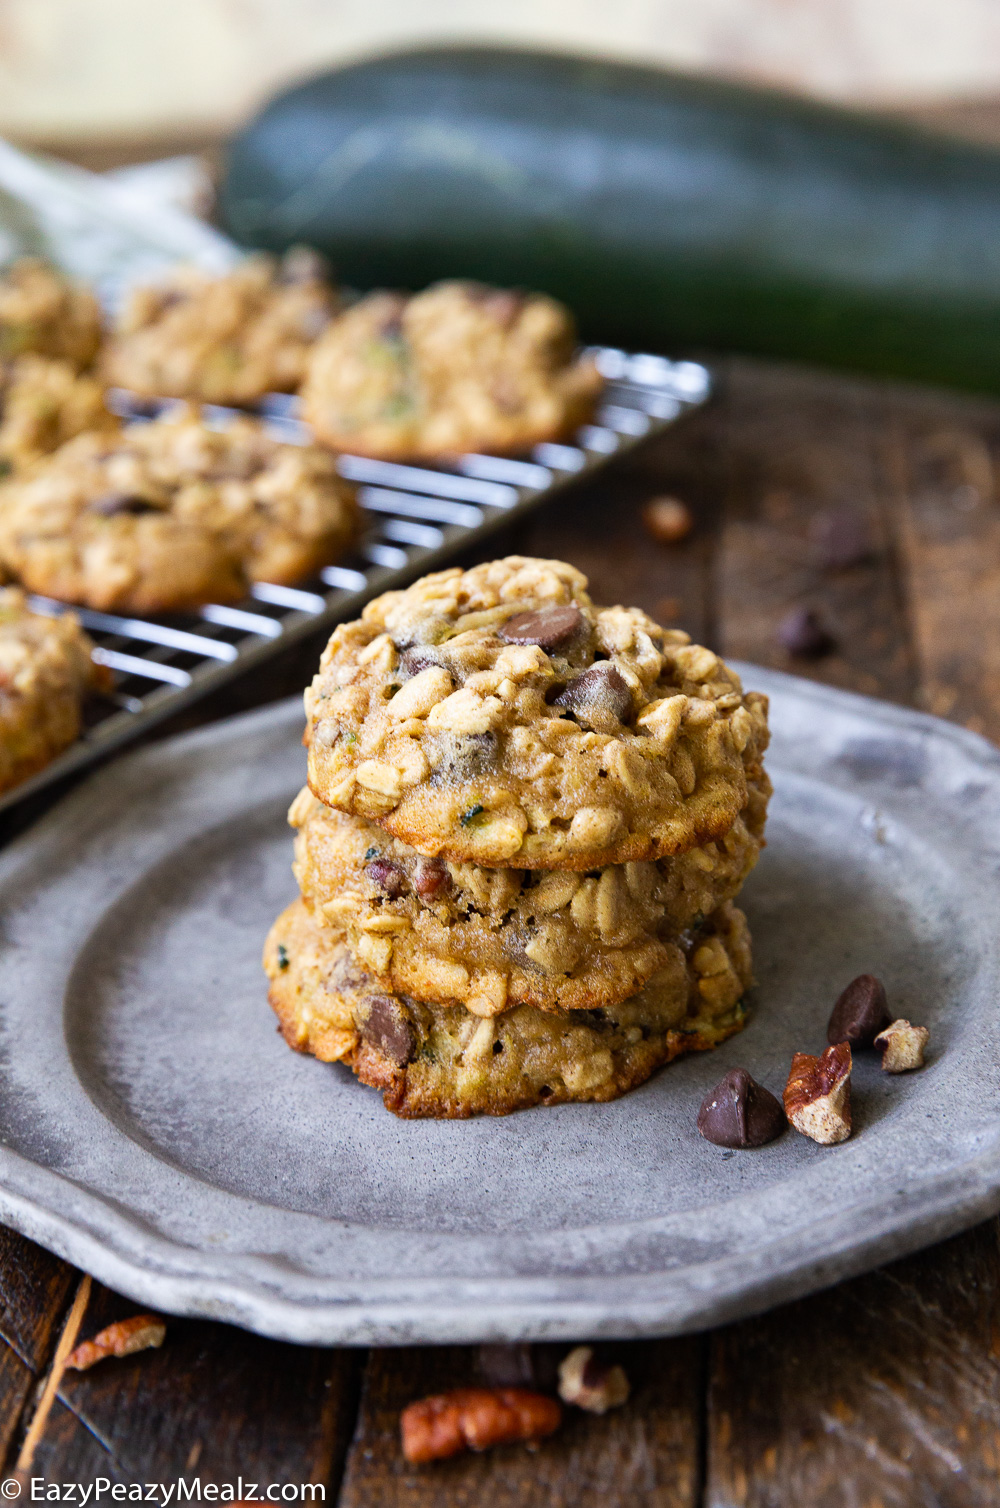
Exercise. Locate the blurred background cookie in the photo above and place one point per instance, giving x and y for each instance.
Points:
(46, 672)
(222, 339)
(44, 403)
(44, 312)
(171, 514)
(459, 367)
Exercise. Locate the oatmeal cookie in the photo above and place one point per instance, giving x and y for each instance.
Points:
(496, 716)
(172, 514)
(44, 404)
(45, 673)
(457, 368)
(42, 311)
(444, 1062)
(493, 938)
(224, 339)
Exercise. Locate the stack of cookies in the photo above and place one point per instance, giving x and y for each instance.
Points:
(526, 821)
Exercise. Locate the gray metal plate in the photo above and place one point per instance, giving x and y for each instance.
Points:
(155, 1129)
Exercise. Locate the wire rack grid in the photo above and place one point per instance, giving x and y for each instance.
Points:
(416, 518)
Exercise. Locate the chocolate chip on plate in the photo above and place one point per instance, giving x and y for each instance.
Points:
(803, 633)
(548, 627)
(599, 696)
(388, 1028)
(861, 1012)
(387, 876)
(739, 1112)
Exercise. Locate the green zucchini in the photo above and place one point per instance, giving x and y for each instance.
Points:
(668, 212)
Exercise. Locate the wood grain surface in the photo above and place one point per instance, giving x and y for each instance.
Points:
(881, 1393)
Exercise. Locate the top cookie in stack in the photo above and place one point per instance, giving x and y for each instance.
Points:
(496, 716)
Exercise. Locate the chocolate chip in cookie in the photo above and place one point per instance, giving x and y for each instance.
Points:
(548, 627)
(387, 876)
(388, 1028)
(599, 698)
(114, 503)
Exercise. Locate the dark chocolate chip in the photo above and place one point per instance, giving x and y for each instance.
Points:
(841, 539)
(388, 1028)
(121, 502)
(861, 1012)
(344, 976)
(597, 695)
(506, 1366)
(466, 756)
(387, 876)
(417, 658)
(548, 627)
(430, 878)
(739, 1112)
(802, 633)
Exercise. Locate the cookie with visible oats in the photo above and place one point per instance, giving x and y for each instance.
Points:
(493, 938)
(46, 672)
(44, 403)
(459, 367)
(45, 313)
(444, 1062)
(224, 339)
(173, 514)
(496, 716)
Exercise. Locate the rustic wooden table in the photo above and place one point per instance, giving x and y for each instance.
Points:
(881, 1393)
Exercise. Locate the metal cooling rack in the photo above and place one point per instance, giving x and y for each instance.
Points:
(416, 516)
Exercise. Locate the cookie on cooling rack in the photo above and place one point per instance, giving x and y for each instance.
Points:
(490, 939)
(42, 311)
(172, 514)
(44, 403)
(496, 716)
(46, 671)
(445, 1062)
(460, 367)
(222, 339)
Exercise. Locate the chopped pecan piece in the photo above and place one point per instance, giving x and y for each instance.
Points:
(588, 1383)
(818, 1094)
(902, 1046)
(139, 1333)
(475, 1419)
